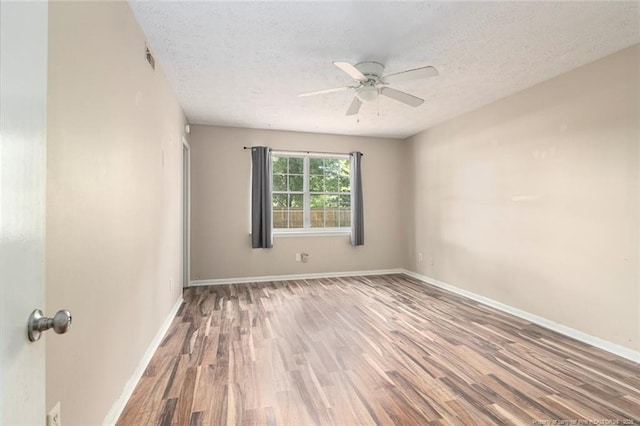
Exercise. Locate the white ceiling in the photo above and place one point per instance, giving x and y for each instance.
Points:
(242, 64)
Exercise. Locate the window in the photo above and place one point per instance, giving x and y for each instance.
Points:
(311, 193)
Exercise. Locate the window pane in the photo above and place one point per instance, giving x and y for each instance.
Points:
(331, 201)
(279, 218)
(331, 167)
(345, 218)
(317, 201)
(345, 178)
(279, 182)
(331, 218)
(316, 184)
(296, 165)
(316, 166)
(331, 183)
(280, 201)
(317, 218)
(345, 201)
(296, 218)
(296, 183)
(279, 165)
(296, 201)
(331, 211)
(317, 210)
(344, 184)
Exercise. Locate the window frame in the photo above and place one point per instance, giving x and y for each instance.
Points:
(307, 229)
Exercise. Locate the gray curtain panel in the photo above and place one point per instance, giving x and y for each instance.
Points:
(261, 197)
(357, 210)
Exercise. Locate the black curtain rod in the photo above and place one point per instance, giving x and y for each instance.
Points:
(303, 152)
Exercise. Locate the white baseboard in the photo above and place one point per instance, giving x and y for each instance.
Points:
(242, 280)
(118, 406)
(614, 348)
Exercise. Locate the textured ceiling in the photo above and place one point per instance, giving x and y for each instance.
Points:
(243, 63)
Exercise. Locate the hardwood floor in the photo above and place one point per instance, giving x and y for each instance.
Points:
(371, 350)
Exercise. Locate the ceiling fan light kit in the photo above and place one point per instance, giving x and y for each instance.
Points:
(367, 93)
(370, 83)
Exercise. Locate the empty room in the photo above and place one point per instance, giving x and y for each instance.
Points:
(320, 213)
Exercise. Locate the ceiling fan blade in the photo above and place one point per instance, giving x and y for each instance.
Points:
(405, 98)
(424, 72)
(351, 70)
(355, 106)
(320, 92)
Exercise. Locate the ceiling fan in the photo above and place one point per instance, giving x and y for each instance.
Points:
(369, 83)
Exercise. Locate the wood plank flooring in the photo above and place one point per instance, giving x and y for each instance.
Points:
(371, 350)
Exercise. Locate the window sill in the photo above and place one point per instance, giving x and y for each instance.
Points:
(332, 233)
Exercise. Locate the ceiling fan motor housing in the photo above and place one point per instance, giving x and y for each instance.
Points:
(368, 92)
(372, 70)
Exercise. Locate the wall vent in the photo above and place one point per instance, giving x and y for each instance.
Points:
(150, 58)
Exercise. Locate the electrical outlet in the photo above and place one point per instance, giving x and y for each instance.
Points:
(304, 257)
(53, 418)
(419, 257)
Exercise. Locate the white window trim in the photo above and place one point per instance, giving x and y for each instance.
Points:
(309, 154)
(307, 230)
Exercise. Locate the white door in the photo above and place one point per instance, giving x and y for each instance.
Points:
(23, 107)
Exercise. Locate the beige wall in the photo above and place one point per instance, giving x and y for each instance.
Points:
(220, 209)
(113, 204)
(533, 201)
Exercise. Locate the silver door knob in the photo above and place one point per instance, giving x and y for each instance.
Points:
(61, 323)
